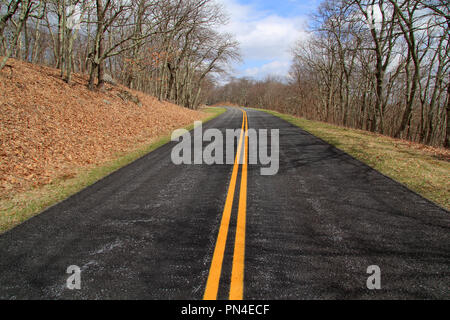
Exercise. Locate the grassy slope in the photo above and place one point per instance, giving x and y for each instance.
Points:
(26, 205)
(424, 170)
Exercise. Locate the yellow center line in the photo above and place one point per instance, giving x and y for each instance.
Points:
(212, 285)
(237, 274)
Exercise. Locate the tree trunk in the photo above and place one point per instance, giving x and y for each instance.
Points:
(26, 6)
(92, 76)
(447, 131)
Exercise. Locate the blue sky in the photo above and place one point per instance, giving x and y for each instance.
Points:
(286, 8)
(267, 30)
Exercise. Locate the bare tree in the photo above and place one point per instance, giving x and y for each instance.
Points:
(25, 6)
(378, 65)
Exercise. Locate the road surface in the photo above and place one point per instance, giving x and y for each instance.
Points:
(154, 230)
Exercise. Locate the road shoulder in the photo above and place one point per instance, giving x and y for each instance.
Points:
(424, 170)
(25, 205)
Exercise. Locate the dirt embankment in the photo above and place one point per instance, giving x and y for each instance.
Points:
(49, 129)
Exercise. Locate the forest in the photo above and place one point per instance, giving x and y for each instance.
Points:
(170, 49)
(376, 65)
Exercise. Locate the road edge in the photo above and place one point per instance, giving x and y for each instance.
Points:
(279, 115)
(59, 191)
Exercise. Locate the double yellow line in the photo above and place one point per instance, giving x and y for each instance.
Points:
(237, 274)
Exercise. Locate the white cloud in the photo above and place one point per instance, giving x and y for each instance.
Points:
(278, 68)
(263, 36)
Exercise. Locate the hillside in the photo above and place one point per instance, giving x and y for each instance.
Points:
(50, 129)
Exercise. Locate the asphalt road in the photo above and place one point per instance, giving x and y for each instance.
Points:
(151, 230)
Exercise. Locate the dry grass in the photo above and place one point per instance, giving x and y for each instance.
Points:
(423, 169)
